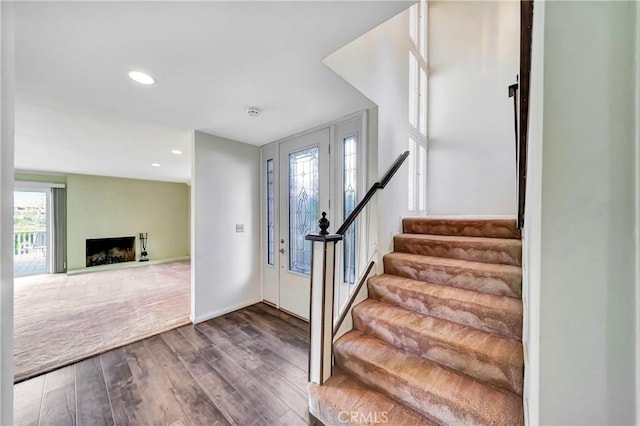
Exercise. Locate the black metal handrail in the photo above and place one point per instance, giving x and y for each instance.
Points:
(352, 298)
(521, 105)
(526, 28)
(374, 188)
(513, 93)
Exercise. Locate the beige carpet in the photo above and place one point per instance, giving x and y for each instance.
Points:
(61, 318)
(440, 333)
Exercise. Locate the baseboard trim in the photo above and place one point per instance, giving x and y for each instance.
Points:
(273, 305)
(293, 315)
(124, 265)
(219, 312)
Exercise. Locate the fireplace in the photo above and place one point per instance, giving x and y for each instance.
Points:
(105, 251)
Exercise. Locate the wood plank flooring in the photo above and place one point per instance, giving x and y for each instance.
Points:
(244, 368)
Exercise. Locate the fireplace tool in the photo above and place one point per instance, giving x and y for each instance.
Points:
(143, 247)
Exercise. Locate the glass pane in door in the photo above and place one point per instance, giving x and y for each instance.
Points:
(29, 232)
(303, 207)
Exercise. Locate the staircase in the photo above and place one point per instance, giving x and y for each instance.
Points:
(439, 339)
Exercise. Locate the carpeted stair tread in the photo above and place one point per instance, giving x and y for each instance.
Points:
(487, 357)
(492, 228)
(488, 312)
(343, 400)
(478, 249)
(502, 280)
(425, 386)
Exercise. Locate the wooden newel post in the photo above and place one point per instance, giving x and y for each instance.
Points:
(321, 304)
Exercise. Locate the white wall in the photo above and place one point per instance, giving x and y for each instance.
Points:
(473, 58)
(586, 181)
(225, 187)
(637, 156)
(6, 215)
(103, 207)
(531, 234)
(377, 64)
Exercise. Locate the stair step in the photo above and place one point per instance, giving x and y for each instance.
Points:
(488, 312)
(343, 400)
(425, 386)
(487, 357)
(478, 249)
(502, 280)
(492, 228)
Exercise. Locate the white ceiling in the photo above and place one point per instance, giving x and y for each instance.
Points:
(77, 111)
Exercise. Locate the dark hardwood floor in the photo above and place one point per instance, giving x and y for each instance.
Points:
(245, 368)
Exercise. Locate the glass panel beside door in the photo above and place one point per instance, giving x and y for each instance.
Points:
(349, 161)
(350, 179)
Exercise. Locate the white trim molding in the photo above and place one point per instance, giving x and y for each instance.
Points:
(219, 312)
(637, 205)
(21, 185)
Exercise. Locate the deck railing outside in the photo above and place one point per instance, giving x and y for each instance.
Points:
(29, 252)
(27, 242)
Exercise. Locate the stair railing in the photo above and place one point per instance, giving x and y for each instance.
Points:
(323, 271)
(521, 104)
(342, 315)
(526, 28)
(513, 93)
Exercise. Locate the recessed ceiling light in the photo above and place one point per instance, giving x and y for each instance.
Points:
(141, 77)
(155, 164)
(176, 151)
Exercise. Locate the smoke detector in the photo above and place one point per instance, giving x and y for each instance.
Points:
(253, 111)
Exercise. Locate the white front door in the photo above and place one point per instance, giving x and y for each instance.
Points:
(304, 194)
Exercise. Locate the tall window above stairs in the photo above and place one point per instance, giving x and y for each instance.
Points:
(417, 143)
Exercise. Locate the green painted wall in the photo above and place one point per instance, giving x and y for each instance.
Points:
(100, 207)
(37, 177)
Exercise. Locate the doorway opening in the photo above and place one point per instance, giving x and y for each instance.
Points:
(321, 170)
(31, 214)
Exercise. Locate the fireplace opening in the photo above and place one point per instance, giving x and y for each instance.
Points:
(105, 251)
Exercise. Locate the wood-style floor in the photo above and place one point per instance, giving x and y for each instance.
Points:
(246, 368)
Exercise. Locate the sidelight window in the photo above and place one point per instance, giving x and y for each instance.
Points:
(350, 177)
(270, 215)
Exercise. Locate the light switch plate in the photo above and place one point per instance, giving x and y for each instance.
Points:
(239, 228)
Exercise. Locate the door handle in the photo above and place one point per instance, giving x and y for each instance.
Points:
(282, 250)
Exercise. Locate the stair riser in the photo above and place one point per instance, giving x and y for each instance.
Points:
(508, 376)
(343, 400)
(505, 409)
(499, 283)
(468, 228)
(476, 252)
(424, 403)
(499, 321)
